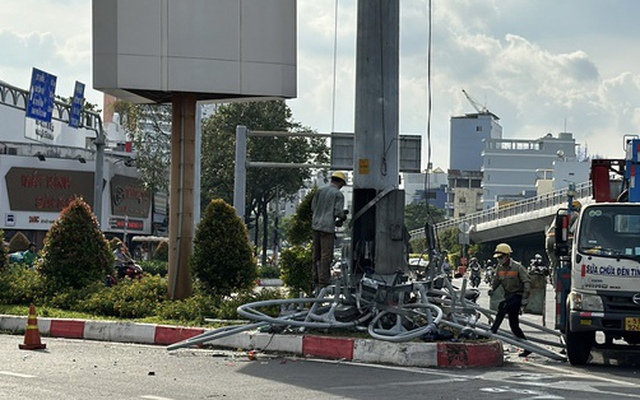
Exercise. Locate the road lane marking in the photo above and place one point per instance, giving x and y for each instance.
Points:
(16, 374)
(397, 384)
(588, 377)
(151, 397)
(562, 384)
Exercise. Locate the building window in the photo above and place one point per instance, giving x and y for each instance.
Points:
(478, 128)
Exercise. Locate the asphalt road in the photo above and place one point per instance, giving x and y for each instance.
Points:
(77, 369)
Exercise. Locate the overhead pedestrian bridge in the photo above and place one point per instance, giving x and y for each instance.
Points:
(518, 219)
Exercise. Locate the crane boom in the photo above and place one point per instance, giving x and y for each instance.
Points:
(478, 107)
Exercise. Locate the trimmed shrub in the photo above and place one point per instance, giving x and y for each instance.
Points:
(18, 242)
(222, 258)
(3, 252)
(130, 298)
(296, 263)
(269, 271)
(228, 309)
(20, 284)
(71, 298)
(193, 309)
(76, 253)
(154, 267)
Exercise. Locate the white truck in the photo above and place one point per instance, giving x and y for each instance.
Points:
(598, 276)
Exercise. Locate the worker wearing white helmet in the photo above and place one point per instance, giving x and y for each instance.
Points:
(328, 212)
(515, 281)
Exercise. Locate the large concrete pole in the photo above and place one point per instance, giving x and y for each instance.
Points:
(181, 200)
(378, 204)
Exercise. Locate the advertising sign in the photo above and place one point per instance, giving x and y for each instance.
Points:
(76, 105)
(128, 198)
(41, 95)
(47, 190)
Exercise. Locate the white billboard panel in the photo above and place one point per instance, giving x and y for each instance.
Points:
(143, 50)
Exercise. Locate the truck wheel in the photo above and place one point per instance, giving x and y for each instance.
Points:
(579, 345)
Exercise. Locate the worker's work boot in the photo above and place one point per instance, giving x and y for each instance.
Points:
(525, 353)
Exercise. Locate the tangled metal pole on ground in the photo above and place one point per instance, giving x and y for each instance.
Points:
(405, 309)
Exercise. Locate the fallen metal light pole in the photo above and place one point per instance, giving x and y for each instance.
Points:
(398, 311)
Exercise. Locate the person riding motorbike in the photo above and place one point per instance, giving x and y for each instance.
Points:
(537, 266)
(476, 270)
(488, 272)
(124, 267)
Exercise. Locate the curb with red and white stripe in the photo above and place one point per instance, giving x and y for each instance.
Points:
(409, 354)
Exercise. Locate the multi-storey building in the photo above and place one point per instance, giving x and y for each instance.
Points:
(468, 135)
(465, 193)
(431, 185)
(512, 166)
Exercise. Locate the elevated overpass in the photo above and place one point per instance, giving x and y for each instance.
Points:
(522, 223)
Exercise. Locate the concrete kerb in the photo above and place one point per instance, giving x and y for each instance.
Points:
(410, 354)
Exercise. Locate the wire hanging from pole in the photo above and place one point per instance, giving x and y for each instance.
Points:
(432, 241)
(335, 63)
(429, 91)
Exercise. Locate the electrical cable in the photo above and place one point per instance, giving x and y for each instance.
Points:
(335, 63)
(383, 164)
(427, 182)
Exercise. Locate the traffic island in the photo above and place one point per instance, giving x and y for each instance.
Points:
(471, 354)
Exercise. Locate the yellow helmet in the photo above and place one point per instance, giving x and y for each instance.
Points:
(577, 205)
(502, 248)
(340, 175)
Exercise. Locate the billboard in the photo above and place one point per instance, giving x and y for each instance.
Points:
(48, 190)
(143, 51)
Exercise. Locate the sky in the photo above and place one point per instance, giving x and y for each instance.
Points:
(541, 66)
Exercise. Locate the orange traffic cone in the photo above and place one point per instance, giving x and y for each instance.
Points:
(32, 335)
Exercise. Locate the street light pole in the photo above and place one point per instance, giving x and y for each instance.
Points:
(100, 143)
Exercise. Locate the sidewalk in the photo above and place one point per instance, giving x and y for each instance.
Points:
(409, 354)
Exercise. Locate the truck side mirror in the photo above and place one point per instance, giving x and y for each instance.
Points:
(563, 221)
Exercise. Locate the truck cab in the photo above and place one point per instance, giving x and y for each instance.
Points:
(598, 278)
(605, 278)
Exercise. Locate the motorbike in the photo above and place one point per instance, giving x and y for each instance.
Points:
(129, 270)
(488, 275)
(537, 266)
(475, 276)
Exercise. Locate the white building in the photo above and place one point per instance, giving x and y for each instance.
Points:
(45, 165)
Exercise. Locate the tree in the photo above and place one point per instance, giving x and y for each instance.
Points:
(448, 240)
(222, 258)
(297, 260)
(263, 184)
(148, 126)
(76, 252)
(300, 231)
(417, 214)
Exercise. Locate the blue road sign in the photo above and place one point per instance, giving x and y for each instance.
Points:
(41, 95)
(76, 105)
